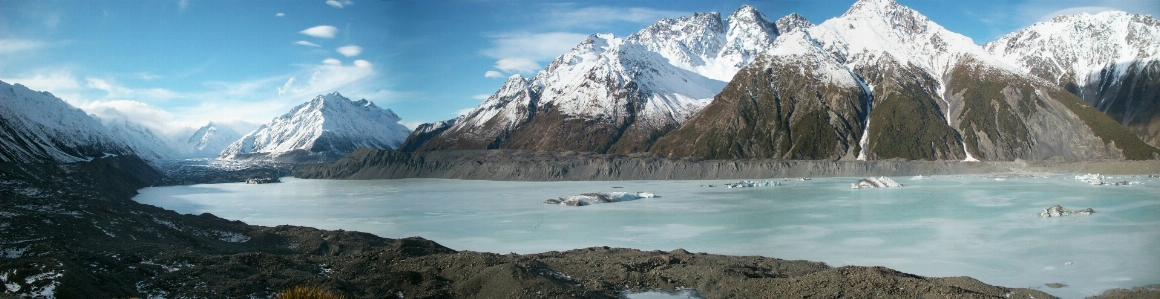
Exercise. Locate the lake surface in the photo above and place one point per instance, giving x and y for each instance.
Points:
(941, 226)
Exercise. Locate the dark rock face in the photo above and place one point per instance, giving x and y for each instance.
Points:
(775, 108)
(906, 120)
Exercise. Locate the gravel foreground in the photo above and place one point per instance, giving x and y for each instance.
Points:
(73, 231)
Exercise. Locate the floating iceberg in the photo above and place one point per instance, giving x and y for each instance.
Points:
(1056, 211)
(918, 178)
(1094, 179)
(875, 182)
(751, 184)
(595, 198)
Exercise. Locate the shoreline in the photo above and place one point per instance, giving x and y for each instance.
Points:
(513, 165)
(95, 241)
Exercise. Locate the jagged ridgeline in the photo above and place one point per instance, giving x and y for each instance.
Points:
(881, 81)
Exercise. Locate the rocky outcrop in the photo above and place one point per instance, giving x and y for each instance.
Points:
(1057, 211)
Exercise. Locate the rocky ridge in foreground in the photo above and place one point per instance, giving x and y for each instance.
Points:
(72, 231)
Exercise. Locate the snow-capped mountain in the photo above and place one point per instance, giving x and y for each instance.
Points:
(323, 129)
(926, 93)
(613, 94)
(1111, 60)
(208, 141)
(143, 141)
(37, 127)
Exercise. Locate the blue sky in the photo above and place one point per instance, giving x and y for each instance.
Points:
(177, 64)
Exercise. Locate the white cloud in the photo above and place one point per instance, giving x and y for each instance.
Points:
(534, 46)
(9, 46)
(286, 86)
(464, 111)
(350, 50)
(321, 31)
(339, 4)
(569, 16)
(493, 74)
(147, 76)
(280, 15)
(160, 121)
(331, 61)
(517, 65)
(54, 81)
(482, 96)
(363, 64)
(306, 43)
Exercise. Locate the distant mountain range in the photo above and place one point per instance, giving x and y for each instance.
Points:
(881, 81)
(37, 127)
(324, 129)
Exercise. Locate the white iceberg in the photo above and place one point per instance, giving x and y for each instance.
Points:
(595, 198)
(1094, 179)
(875, 182)
(751, 184)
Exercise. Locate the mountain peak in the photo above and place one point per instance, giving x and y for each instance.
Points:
(873, 6)
(746, 13)
(792, 22)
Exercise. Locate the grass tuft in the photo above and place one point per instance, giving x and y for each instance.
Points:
(308, 292)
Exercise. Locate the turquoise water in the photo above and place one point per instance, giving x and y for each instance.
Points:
(943, 226)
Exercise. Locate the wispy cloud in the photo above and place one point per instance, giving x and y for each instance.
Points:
(306, 43)
(321, 31)
(521, 52)
(571, 16)
(9, 46)
(52, 20)
(534, 46)
(349, 50)
(339, 4)
(280, 15)
(182, 5)
(482, 96)
(517, 65)
(331, 61)
(492, 74)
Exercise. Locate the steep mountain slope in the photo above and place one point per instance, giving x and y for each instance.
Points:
(796, 104)
(1111, 60)
(37, 127)
(611, 94)
(326, 128)
(143, 141)
(932, 95)
(208, 141)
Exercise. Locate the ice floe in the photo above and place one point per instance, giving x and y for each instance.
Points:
(595, 198)
(752, 184)
(875, 182)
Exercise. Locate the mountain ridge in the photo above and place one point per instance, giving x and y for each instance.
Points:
(324, 128)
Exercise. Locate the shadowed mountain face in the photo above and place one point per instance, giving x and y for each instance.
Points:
(1111, 60)
(883, 82)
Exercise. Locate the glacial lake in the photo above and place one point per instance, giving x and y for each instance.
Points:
(979, 226)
